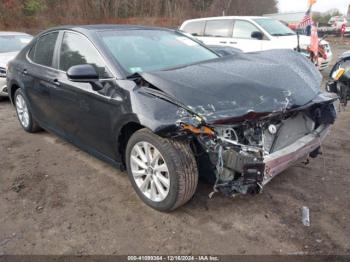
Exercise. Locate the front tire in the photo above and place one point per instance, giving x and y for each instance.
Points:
(162, 171)
(24, 114)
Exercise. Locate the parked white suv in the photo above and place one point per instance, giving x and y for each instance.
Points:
(249, 34)
(10, 44)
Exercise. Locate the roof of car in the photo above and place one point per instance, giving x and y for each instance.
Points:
(227, 17)
(2, 33)
(102, 27)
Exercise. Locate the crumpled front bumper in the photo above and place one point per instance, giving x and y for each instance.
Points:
(280, 160)
(256, 172)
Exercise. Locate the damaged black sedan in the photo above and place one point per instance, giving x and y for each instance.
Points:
(171, 110)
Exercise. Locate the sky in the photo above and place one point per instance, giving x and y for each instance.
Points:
(321, 5)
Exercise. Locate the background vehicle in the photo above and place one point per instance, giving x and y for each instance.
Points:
(250, 34)
(339, 78)
(337, 22)
(346, 28)
(169, 109)
(10, 44)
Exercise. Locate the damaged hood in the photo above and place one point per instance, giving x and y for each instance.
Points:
(237, 85)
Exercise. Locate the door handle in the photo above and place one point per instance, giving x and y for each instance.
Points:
(223, 42)
(233, 43)
(25, 72)
(56, 82)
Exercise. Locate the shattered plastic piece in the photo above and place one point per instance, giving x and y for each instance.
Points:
(306, 216)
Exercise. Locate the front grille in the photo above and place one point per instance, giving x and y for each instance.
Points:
(2, 72)
(324, 65)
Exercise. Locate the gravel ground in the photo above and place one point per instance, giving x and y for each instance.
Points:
(56, 199)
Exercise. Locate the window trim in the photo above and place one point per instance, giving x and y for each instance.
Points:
(55, 59)
(230, 31)
(250, 22)
(34, 46)
(61, 37)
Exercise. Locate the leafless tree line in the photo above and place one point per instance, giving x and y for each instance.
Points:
(44, 13)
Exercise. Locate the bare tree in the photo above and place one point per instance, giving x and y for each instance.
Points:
(44, 13)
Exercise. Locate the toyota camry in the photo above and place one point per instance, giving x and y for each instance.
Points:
(170, 110)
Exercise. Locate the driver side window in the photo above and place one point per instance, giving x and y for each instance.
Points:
(77, 50)
(243, 29)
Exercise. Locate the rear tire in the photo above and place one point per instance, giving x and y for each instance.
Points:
(179, 170)
(24, 114)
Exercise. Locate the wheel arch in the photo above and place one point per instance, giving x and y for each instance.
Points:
(124, 134)
(13, 87)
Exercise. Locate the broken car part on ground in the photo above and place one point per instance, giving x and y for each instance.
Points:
(169, 109)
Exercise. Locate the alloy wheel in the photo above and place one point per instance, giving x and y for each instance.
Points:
(22, 110)
(150, 171)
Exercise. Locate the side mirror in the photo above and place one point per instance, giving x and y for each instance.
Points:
(257, 35)
(85, 74)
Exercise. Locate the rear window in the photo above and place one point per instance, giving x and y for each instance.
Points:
(194, 28)
(219, 28)
(43, 51)
(13, 43)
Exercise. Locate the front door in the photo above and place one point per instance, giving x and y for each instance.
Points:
(84, 114)
(242, 37)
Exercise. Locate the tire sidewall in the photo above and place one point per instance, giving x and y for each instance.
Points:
(30, 125)
(163, 146)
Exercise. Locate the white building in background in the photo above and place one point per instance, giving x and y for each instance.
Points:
(290, 18)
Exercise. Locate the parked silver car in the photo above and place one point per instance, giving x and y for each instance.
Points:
(10, 44)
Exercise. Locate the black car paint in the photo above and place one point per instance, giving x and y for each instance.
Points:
(236, 85)
(94, 120)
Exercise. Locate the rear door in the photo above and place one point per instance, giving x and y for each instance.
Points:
(40, 69)
(242, 36)
(218, 32)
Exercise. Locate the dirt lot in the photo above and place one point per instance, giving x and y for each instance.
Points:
(56, 199)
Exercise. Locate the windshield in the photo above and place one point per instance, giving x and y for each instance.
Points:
(274, 27)
(13, 43)
(150, 50)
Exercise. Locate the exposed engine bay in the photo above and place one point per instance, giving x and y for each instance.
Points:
(240, 152)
